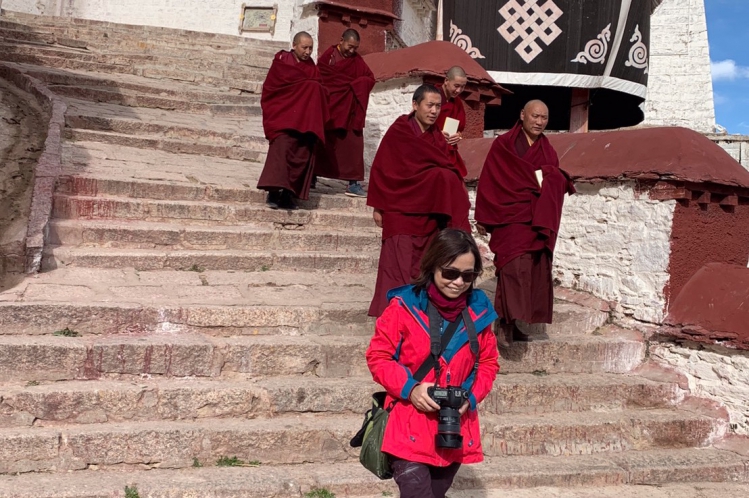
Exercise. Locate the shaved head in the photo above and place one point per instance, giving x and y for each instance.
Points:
(455, 82)
(535, 103)
(455, 71)
(299, 36)
(350, 34)
(302, 46)
(535, 117)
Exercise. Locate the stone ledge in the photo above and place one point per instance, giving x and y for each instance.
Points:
(47, 169)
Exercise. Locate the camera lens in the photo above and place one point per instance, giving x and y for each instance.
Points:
(448, 429)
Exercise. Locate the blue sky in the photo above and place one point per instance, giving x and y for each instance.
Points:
(728, 36)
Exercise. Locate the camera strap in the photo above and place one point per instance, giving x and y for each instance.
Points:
(438, 342)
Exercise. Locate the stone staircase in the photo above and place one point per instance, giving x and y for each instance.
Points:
(177, 320)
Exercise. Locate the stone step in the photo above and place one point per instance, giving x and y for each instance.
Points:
(150, 235)
(45, 357)
(100, 302)
(83, 62)
(691, 490)
(321, 438)
(107, 117)
(10, 32)
(172, 89)
(130, 98)
(49, 404)
(93, 186)
(253, 68)
(243, 260)
(200, 212)
(236, 151)
(40, 358)
(612, 349)
(652, 468)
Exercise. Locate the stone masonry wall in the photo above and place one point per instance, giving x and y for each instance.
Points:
(679, 59)
(713, 372)
(387, 101)
(418, 21)
(737, 147)
(615, 244)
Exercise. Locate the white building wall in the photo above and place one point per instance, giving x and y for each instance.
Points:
(615, 244)
(737, 147)
(387, 101)
(418, 22)
(680, 89)
(214, 16)
(712, 372)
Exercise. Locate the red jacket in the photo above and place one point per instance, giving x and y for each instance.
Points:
(398, 348)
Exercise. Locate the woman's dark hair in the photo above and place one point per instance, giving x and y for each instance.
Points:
(444, 248)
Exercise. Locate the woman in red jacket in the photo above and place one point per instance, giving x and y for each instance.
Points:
(401, 344)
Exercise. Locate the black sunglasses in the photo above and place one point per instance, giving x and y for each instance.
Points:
(453, 274)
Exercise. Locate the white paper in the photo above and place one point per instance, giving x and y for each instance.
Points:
(540, 178)
(451, 126)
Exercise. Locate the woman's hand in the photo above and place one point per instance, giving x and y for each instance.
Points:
(464, 408)
(421, 400)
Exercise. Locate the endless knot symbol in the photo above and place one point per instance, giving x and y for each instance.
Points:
(530, 21)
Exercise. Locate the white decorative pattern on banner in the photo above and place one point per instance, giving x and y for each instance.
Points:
(530, 22)
(638, 54)
(597, 49)
(464, 41)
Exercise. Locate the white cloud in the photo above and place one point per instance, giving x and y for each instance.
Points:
(728, 70)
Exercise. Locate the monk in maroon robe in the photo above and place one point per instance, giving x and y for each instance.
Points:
(349, 82)
(452, 107)
(295, 109)
(415, 191)
(519, 202)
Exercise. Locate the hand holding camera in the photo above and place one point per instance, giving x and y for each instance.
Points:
(421, 399)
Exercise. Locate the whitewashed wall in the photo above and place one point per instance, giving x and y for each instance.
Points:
(214, 16)
(679, 60)
(615, 244)
(418, 21)
(713, 372)
(387, 101)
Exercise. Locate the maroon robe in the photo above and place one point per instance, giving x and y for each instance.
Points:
(453, 109)
(523, 219)
(416, 186)
(295, 109)
(349, 82)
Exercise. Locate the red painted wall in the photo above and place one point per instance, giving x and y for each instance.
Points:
(332, 26)
(474, 119)
(706, 233)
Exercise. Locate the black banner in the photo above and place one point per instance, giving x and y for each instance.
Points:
(567, 43)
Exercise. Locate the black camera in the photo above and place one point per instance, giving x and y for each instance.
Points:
(450, 400)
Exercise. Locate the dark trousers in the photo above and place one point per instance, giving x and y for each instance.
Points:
(418, 480)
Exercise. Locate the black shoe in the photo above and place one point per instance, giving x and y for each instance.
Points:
(274, 198)
(287, 201)
(314, 183)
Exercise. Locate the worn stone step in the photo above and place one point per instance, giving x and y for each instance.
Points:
(93, 186)
(168, 354)
(251, 83)
(214, 66)
(10, 32)
(150, 235)
(612, 349)
(44, 357)
(691, 490)
(157, 142)
(155, 259)
(92, 401)
(653, 468)
(201, 212)
(142, 121)
(130, 98)
(305, 438)
(144, 86)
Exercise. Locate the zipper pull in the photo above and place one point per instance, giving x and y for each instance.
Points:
(448, 378)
